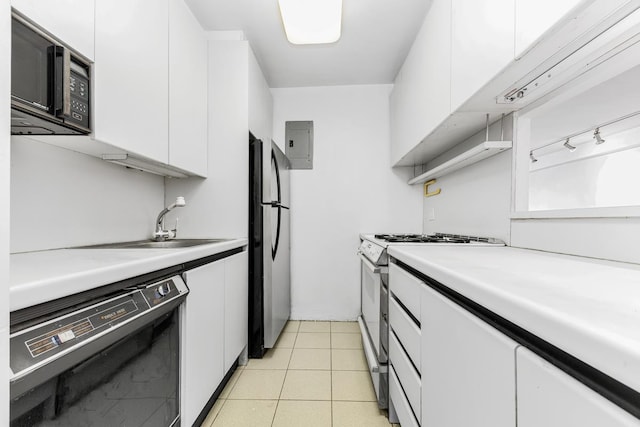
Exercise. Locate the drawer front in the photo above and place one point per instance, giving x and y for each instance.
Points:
(407, 331)
(409, 378)
(400, 402)
(406, 288)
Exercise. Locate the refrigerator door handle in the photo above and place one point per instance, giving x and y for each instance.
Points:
(273, 204)
(274, 250)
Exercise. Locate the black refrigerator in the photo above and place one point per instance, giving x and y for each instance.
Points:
(269, 245)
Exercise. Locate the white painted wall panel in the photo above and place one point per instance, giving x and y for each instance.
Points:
(218, 206)
(350, 190)
(60, 198)
(607, 238)
(475, 200)
(260, 102)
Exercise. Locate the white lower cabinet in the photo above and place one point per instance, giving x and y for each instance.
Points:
(549, 397)
(214, 329)
(405, 384)
(236, 306)
(400, 402)
(468, 368)
(203, 336)
(471, 374)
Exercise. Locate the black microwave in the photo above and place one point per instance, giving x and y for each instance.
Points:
(50, 84)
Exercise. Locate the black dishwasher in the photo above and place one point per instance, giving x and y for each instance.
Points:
(111, 362)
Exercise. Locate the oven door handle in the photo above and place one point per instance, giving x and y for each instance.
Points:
(370, 355)
(373, 268)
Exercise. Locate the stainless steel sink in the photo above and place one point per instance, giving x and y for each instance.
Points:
(152, 244)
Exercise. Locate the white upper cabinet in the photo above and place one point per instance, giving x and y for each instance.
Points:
(188, 67)
(534, 17)
(150, 82)
(420, 100)
(482, 44)
(548, 397)
(131, 74)
(471, 56)
(71, 21)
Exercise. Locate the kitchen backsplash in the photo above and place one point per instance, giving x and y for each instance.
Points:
(475, 200)
(60, 198)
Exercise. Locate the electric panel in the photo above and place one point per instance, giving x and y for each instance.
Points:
(299, 144)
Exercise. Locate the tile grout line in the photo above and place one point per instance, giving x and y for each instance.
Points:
(286, 373)
(331, 366)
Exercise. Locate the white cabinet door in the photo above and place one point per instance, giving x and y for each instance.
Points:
(548, 397)
(236, 305)
(203, 338)
(420, 100)
(131, 76)
(188, 67)
(71, 21)
(468, 368)
(482, 44)
(535, 17)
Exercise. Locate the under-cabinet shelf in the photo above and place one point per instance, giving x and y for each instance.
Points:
(469, 157)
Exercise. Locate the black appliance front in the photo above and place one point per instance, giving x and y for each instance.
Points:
(113, 363)
(50, 84)
(256, 247)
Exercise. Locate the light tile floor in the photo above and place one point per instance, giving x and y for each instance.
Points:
(316, 376)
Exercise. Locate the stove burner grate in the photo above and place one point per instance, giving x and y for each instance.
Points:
(431, 238)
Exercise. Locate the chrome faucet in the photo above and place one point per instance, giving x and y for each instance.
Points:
(161, 234)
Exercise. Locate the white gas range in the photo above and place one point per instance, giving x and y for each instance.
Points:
(374, 282)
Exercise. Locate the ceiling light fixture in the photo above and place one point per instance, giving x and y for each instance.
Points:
(311, 21)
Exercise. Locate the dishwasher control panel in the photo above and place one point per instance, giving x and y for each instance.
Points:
(34, 347)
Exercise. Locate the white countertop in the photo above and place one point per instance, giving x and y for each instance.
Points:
(587, 307)
(37, 277)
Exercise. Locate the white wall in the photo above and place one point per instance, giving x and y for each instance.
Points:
(218, 206)
(5, 189)
(475, 200)
(60, 198)
(350, 190)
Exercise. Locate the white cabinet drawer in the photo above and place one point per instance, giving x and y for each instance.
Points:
(409, 378)
(400, 403)
(407, 331)
(406, 288)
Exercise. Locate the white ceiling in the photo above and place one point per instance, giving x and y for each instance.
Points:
(376, 36)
